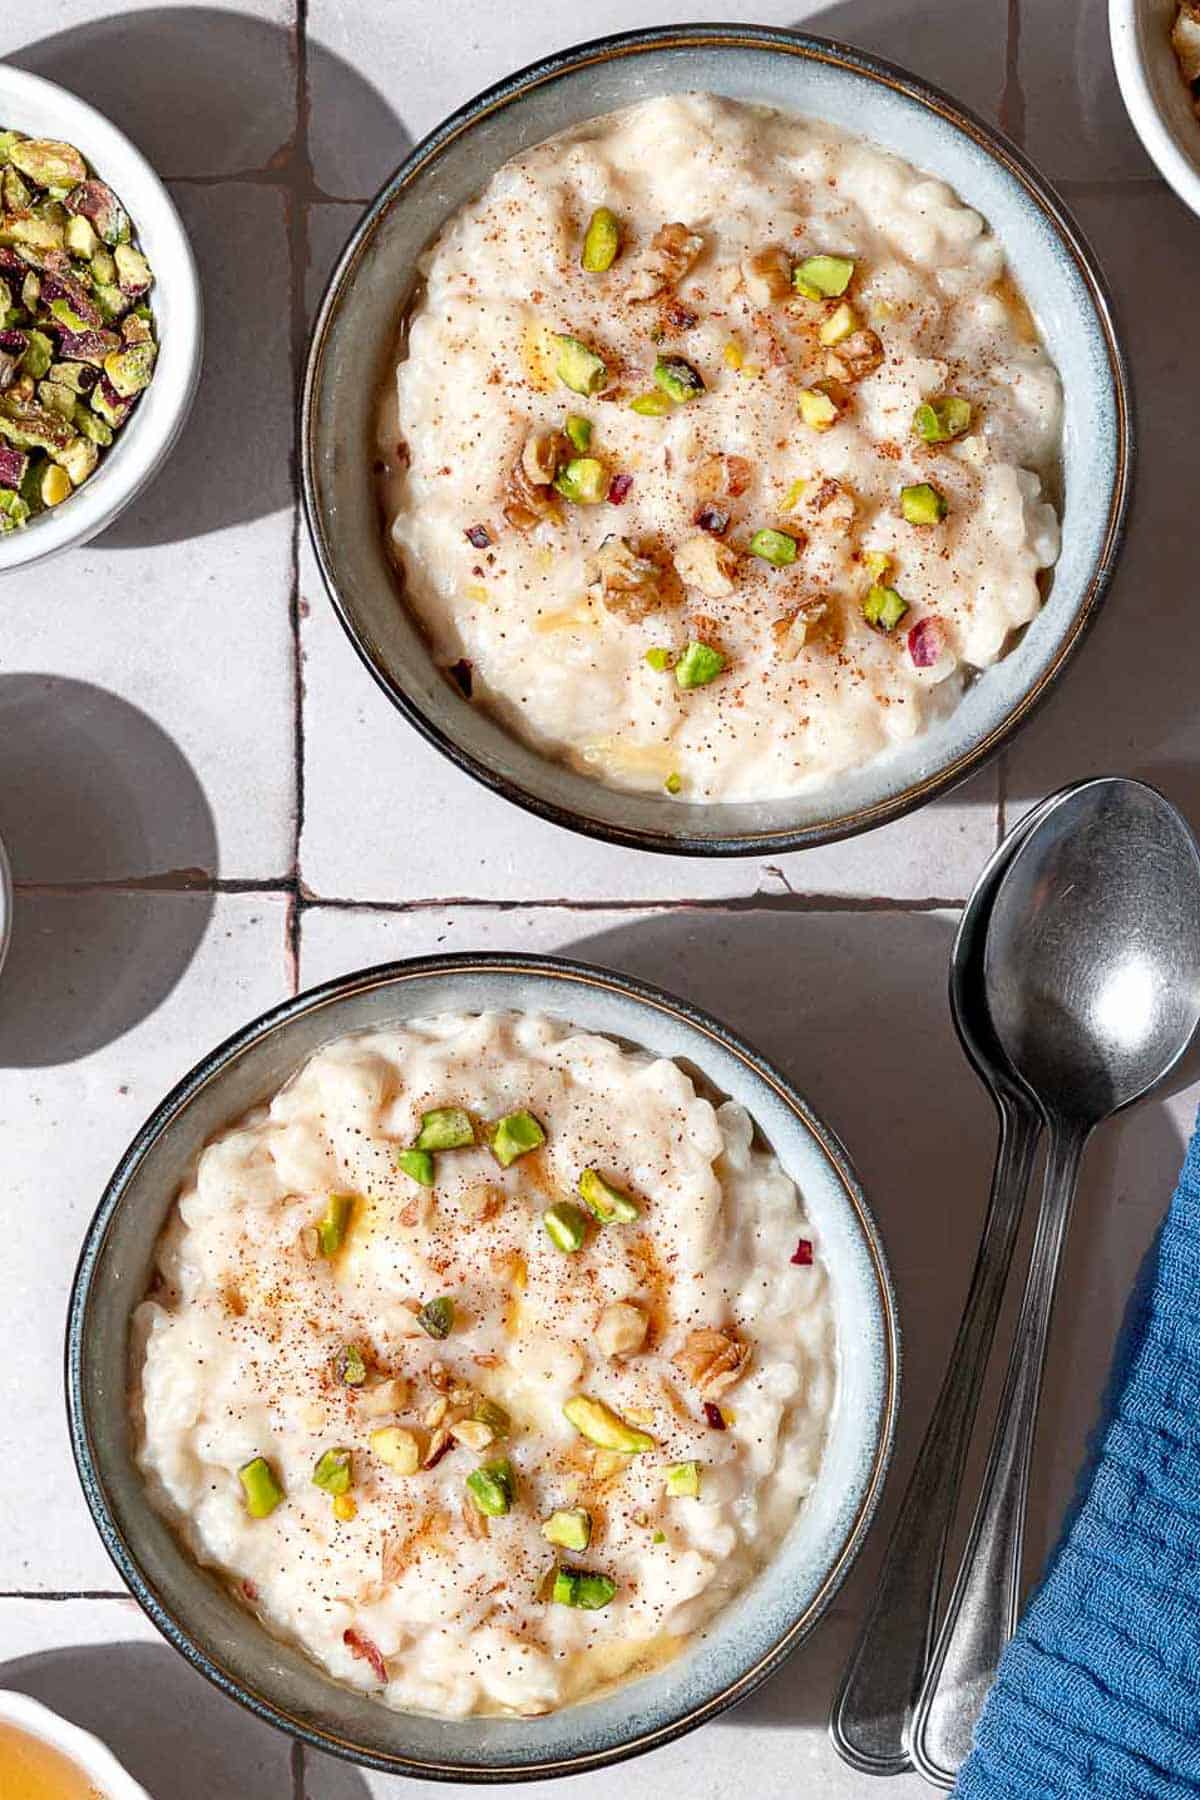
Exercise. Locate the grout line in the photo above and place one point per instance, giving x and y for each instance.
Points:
(67, 1594)
(297, 1766)
(298, 165)
(281, 174)
(1001, 797)
(171, 881)
(734, 903)
(1012, 95)
(301, 900)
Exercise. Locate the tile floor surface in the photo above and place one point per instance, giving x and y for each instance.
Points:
(208, 804)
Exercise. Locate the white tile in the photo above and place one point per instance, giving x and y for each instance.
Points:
(432, 55)
(147, 680)
(411, 826)
(108, 998)
(1125, 704)
(202, 90)
(103, 1666)
(1076, 126)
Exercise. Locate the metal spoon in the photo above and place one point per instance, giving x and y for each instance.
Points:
(870, 1717)
(1092, 971)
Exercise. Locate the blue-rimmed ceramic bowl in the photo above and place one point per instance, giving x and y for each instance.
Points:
(354, 341)
(224, 1641)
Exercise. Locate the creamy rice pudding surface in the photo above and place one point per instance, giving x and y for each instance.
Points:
(493, 1443)
(743, 503)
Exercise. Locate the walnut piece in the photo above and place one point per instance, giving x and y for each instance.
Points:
(833, 506)
(768, 275)
(626, 583)
(717, 476)
(705, 562)
(664, 262)
(791, 632)
(712, 1360)
(855, 357)
(529, 496)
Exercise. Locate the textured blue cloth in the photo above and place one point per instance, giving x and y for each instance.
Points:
(1099, 1692)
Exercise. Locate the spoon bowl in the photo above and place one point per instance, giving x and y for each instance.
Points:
(1092, 960)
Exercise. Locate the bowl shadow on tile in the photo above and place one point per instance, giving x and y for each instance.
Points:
(852, 1006)
(113, 849)
(173, 1732)
(167, 76)
(929, 39)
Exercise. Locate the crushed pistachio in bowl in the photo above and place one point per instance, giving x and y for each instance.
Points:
(77, 338)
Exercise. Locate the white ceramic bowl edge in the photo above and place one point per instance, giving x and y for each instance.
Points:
(30, 104)
(80, 1747)
(1155, 94)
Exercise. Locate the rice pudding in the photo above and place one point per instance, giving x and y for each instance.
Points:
(486, 1362)
(720, 450)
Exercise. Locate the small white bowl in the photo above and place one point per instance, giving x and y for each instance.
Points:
(96, 1761)
(1155, 94)
(41, 109)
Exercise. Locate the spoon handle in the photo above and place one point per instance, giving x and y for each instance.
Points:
(982, 1615)
(870, 1716)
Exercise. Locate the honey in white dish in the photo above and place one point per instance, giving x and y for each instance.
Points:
(32, 1769)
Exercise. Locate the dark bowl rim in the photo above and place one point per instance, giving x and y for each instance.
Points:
(987, 138)
(209, 1068)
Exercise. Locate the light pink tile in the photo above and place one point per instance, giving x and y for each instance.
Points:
(147, 680)
(107, 999)
(202, 90)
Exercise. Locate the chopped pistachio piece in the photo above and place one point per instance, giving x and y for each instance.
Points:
(445, 1128)
(13, 510)
(352, 1367)
(579, 431)
(79, 235)
(134, 275)
(884, 607)
(417, 1165)
(683, 1481)
(344, 1508)
(579, 368)
(397, 1449)
(660, 658)
(601, 1426)
(653, 405)
(818, 409)
(494, 1416)
(260, 1487)
(130, 370)
(332, 1227)
(601, 241)
(516, 1134)
(437, 1317)
(39, 355)
(674, 782)
(566, 1226)
(582, 1588)
(334, 1471)
(570, 1528)
(660, 1537)
(47, 162)
(922, 504)
(841, 323)
(698, 665)
(584, 481)
(876, 563)
(937, 421)
(491, 1487)
(607, 1202)
(677, 379)
(774, 547)
(823, 277)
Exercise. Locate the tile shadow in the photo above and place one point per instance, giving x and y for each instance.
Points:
(224, 84)
(92, 791)
(173, 1732)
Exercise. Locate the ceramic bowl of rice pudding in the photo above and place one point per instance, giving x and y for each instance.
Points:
(484, 1369)
(715, 440)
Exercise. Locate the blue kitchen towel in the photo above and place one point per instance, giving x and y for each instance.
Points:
(1099, 1692)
